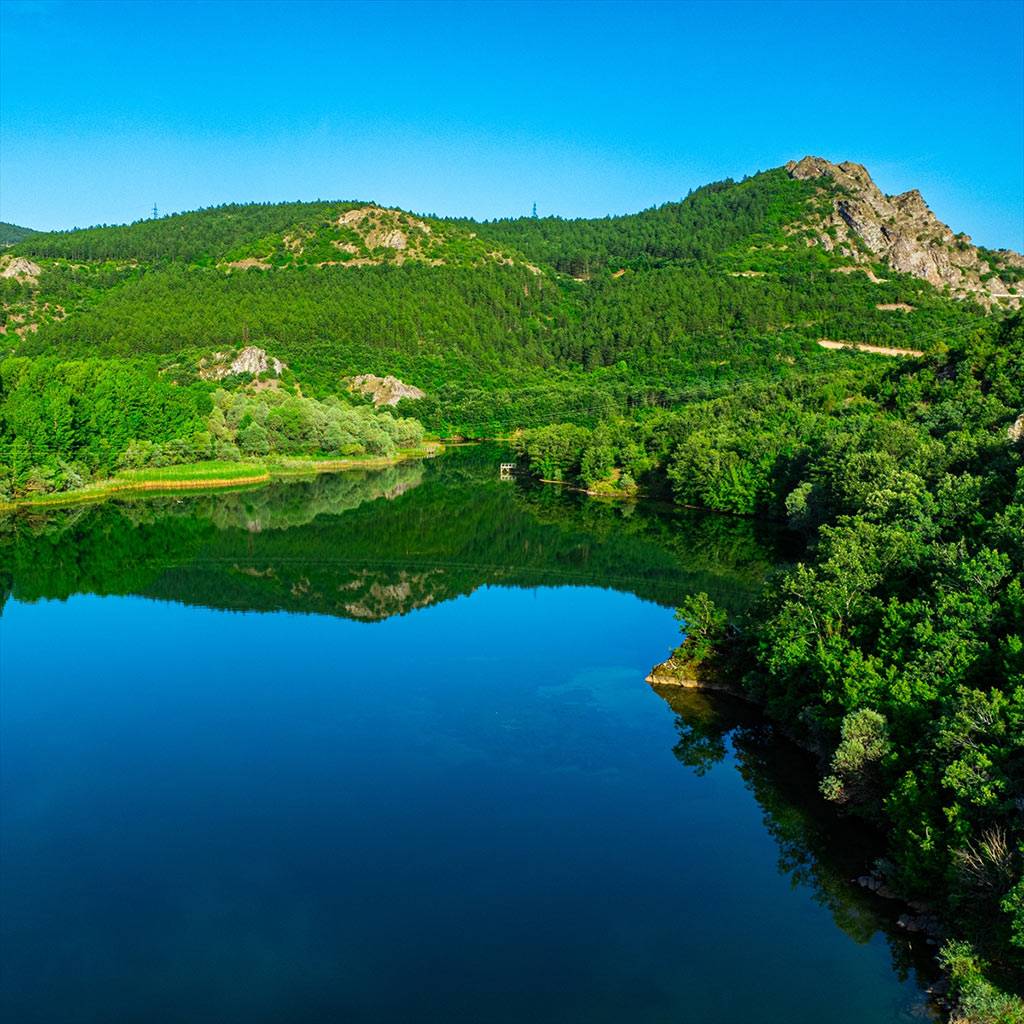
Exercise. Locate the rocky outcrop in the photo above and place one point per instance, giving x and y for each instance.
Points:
(382, 228)
(674, 672)
(371, 235)
(919, 916)
(254, 360)
(383, 390)
(19, 268)
(1015, 431)
(251, 359)
(866, 225)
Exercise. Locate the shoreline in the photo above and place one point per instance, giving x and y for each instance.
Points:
(614, 495)
(917, 917)
(672, 674)
(150, 481)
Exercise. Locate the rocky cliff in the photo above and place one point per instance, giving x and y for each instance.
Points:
(901, 231)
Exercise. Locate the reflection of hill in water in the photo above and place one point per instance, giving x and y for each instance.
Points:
(374, 544)
(284, 505)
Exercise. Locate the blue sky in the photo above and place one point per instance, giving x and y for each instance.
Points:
(483, 109)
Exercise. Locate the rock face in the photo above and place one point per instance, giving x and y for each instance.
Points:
(383, 390)
(251, 359)
(383, 228)
(902, 232)
(1015, 431)
(254, 360)
(20, 268)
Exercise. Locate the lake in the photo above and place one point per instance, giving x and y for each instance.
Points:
(378, 747)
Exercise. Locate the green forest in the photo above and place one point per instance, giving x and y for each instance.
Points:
(675, 352)
(504, 325)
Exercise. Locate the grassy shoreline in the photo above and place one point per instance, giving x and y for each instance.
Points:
(204, 476)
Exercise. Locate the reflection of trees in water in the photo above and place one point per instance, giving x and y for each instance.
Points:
(285, 505)
(370, 544)
(702, 541)
(124, 546)
(818, 848)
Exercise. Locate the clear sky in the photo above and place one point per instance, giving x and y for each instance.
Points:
(483, 109)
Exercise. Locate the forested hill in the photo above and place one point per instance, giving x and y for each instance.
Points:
(842, 211)
(700, 228)
(11, 233)
(278, 235)
(502, 324)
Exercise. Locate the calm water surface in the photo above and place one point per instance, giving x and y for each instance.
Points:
(379, 748)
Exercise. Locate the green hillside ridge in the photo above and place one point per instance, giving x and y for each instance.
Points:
(503, 324)
(280, 234)
(12, 233)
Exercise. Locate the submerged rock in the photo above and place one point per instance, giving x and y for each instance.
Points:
(926, 924)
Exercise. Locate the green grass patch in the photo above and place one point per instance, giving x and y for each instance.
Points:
(212, 470)
(219, 474)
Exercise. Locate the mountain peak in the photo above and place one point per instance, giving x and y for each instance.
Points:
(901, 231)
(811, 167)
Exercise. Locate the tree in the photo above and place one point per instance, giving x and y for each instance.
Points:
(704, 626)
(857, 759)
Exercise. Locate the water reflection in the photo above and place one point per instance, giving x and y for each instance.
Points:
(818, 848)
(498, 803)
(369, 545)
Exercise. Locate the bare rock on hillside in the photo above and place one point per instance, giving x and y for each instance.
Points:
(902, 232)
(384, 390)
(254, 360)
(1015, 432)
(251, 359)
(20, 268)
(384, 229)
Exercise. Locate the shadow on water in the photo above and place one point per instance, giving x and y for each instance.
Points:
(818, 848)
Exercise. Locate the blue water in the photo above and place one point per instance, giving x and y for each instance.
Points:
(468, 813)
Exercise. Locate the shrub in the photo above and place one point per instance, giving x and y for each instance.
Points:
(976, 999)
(863, 744)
